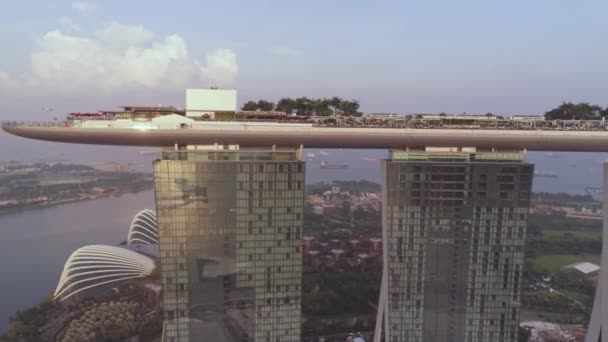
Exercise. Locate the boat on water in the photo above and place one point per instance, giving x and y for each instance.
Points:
(547, 174)
(326, 166)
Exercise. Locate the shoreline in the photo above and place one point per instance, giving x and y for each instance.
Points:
(42, 240)
(24, 208)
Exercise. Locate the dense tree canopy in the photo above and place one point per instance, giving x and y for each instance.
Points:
(262, 105)
(576, 111)
(329, 106)
(250, 105)
(265, 105)
(308, 106)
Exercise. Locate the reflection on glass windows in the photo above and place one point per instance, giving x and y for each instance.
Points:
(455, 229)
(229, 244)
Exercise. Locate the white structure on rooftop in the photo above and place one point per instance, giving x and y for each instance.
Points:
(96, 265)
(208, 101)
(143, 228)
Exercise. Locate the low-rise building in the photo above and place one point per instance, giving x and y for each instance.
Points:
(545, 331)
(586, 269)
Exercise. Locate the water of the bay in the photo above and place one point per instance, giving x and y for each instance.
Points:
(34, 244)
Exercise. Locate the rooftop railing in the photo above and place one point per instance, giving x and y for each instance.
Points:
(413, 123)
(35, 124)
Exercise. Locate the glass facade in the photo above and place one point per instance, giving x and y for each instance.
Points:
(230, 226)
(454, 226)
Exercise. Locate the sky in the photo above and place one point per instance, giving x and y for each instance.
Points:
(506, 57)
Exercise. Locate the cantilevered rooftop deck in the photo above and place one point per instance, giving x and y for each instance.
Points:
(250, 134)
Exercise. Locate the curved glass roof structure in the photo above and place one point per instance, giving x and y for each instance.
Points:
(143, 228)
(95, 265)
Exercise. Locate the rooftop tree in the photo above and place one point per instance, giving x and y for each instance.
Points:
(575, 111)
(286, 105)
(265, 106)
(250, 106)
(308, 106)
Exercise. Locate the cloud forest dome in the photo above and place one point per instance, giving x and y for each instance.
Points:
(96, 265)
(143, 228)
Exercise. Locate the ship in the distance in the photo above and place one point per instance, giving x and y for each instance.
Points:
(326, 166)
(547, 174)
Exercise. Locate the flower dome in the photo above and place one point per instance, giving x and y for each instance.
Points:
(143, 228)
(95, 265)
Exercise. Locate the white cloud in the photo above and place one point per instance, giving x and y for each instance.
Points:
(282, 50)
(83, 6)
(221, 67)
(5, 79)
(125, 35)
(121, 57)
(69, 24)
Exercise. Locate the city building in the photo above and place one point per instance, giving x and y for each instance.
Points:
(452, 249)
(230, 225)
(454, 221)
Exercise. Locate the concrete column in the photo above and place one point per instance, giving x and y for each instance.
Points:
(382, 317)
(598, 324)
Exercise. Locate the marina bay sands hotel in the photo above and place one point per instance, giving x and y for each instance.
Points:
(229, 193)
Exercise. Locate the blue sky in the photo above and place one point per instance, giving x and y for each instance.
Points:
(397, 56)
